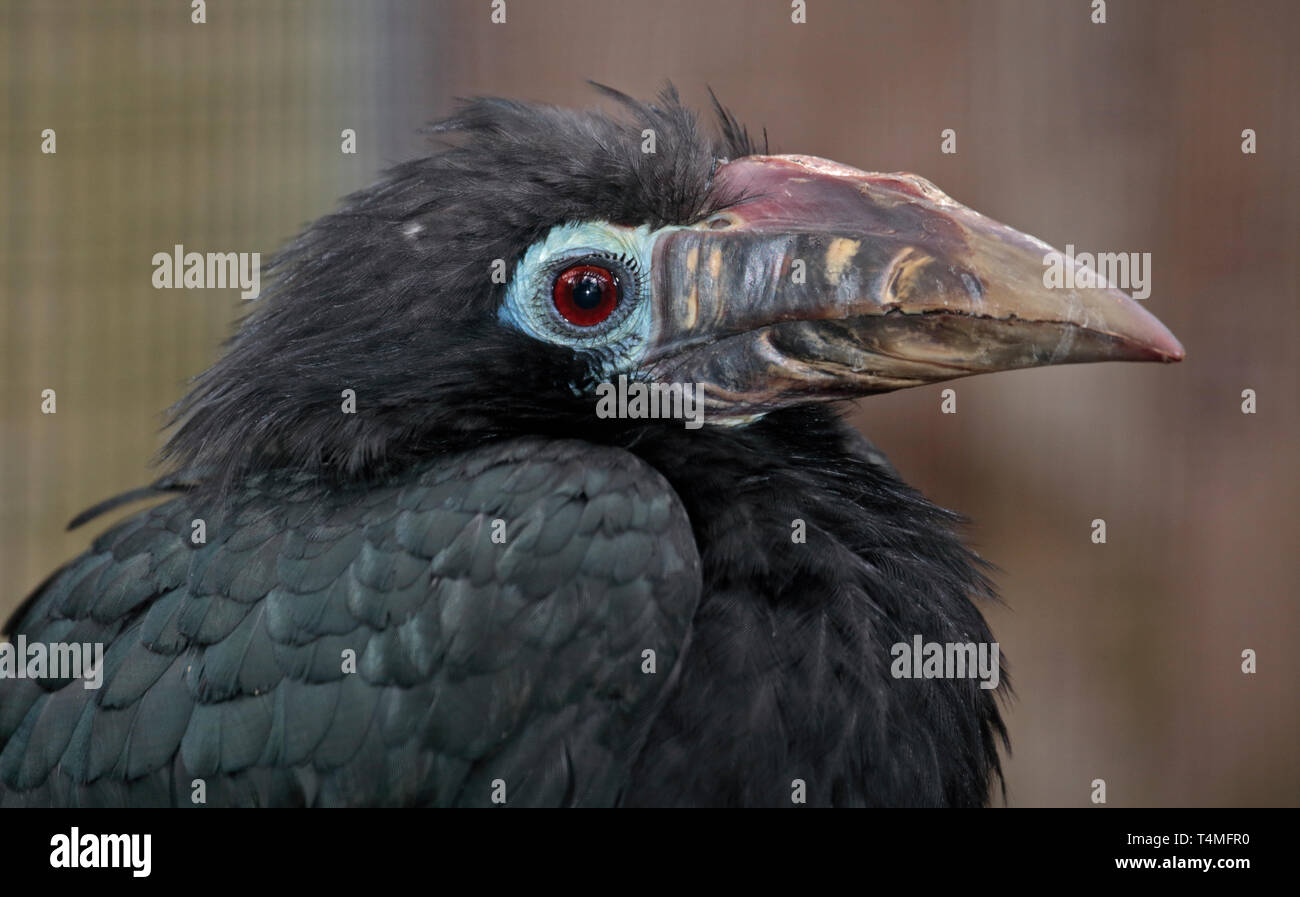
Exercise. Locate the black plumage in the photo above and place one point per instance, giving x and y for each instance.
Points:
(478, 661)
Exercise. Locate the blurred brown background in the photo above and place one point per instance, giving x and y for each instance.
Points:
(1117, 137)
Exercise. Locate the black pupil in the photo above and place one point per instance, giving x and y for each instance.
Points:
(588, 292)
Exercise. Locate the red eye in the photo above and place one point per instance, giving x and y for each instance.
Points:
(586, 294)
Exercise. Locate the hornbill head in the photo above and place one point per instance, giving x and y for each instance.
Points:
(815, 281)
(492, 286)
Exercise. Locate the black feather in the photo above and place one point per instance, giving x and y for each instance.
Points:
(350, 633)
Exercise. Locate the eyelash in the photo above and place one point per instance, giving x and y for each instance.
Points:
(629, 262)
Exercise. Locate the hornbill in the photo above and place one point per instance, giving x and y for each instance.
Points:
(459, 584)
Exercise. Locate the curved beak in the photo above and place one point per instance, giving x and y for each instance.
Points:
(824, 282)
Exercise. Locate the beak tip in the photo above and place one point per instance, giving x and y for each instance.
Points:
(1164, 346)
(1145, 336)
